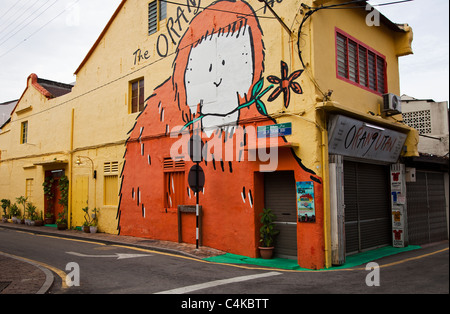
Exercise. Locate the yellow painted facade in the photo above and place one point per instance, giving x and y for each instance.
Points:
(85, 131)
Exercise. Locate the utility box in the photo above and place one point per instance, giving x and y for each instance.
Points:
(410, 175)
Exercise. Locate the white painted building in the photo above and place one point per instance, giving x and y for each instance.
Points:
(428, 181)
(431, 119)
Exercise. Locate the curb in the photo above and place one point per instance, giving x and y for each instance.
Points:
(49, 278)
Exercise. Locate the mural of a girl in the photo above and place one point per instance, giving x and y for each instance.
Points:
(217, 83)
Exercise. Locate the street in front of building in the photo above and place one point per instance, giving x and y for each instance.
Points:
(306, 148)
(94, 267)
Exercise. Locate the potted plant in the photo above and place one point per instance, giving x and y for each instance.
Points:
(49, 219)
(87, 220)
(23, 201)
(267, 233)
(6, 204)
(61, 222)
(15, 212)
(31, 212)
(94, 222)
(38, 220)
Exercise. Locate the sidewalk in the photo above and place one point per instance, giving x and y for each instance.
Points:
(20, 276)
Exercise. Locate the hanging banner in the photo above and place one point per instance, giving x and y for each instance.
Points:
(305, 201)
(354, 138)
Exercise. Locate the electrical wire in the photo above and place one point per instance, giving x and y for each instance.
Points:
(11, 18)
(312, 10)
(372, 5)
(24, 20)
(17, 21)
(219, 10)
(40, 28)
(307, 15)
(110, 82)
(12, 7)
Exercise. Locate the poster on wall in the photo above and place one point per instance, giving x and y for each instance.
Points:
(305, 201)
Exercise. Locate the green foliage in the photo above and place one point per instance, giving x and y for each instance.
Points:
(90, 220)
(22, 200)
(62, 217)
(267, 230)
(64, 188)
(31, 211)
(6, 204)
(47, 185)
(14, 210)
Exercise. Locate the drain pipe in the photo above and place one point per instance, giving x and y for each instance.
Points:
(325, 184)
(69, 205)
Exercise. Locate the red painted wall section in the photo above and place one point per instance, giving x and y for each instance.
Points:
(233, 195)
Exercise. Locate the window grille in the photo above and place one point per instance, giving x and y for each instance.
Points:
(157, 11)
(174, 184)
(419, 120)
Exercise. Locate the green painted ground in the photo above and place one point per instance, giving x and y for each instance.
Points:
(289, 264)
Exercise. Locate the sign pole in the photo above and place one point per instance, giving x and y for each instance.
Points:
(197, 184)
(197, 204)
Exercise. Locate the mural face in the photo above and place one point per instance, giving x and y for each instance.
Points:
(219, 71)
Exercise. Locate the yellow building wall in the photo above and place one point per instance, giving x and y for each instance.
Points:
(100, 98)
(379, 38)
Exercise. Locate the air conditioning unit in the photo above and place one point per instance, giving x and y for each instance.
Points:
(392, 104)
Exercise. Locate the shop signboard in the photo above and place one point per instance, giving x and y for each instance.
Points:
(355, 138)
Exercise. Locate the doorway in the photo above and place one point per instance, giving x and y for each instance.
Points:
(280, 197)
(368, 221)
(52, 204)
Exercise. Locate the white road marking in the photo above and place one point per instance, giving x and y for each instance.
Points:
(117, 255)
(217, 283)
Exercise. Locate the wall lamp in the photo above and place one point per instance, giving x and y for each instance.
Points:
(79, 163)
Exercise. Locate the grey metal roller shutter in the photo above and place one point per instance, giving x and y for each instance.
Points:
(367, 206)
(280, 196)
(427, 220)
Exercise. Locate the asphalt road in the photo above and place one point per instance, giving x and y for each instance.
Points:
(112, 269)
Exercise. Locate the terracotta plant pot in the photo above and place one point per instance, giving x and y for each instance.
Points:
(86, 229)
(62, 226)
(266, 252)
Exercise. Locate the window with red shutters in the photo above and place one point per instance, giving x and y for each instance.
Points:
(359, 64)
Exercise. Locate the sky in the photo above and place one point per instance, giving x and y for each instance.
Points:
(52, 37)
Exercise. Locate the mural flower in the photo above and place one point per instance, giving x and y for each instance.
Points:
(286, 83)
